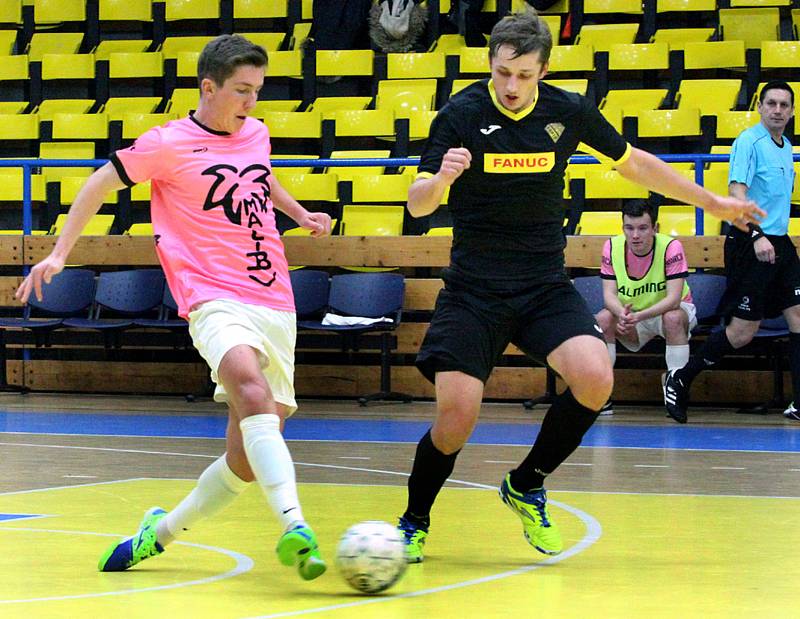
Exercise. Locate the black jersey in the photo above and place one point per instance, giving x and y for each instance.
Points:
(507, 208)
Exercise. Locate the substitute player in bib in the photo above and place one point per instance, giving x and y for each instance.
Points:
(501, 145)
(761, 265)
(213, 201)
(644, 289)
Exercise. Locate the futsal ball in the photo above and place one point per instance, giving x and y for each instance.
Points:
(371, 556)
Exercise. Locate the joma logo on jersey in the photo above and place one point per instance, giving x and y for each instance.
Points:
(643, 289)
(518, 162)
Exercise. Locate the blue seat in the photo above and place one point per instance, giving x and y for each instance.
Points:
(70, 293)
(167, 317)
(368, 295)
(311, 289)
(121, 298)
(707, 290)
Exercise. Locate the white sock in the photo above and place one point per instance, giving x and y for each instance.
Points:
(272, 465)
(677, 356)
(612, 352)
(217, 486)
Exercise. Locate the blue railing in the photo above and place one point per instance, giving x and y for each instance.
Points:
(28, 165)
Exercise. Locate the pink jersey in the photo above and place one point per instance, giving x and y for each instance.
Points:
(675, 263)
(213, 219)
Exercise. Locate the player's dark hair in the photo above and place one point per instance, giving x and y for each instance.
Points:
(222, 56)
(775, 85)
(525, 32)
(638, 208)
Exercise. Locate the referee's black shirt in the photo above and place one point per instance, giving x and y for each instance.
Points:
(507, 208)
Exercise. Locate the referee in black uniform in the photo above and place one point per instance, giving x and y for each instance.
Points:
(502, 145)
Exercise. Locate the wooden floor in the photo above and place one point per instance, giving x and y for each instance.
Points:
(659, 520)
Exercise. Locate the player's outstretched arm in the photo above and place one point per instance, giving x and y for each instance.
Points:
(318, 223)
(425, 194)
(649, 171)
(87, 203)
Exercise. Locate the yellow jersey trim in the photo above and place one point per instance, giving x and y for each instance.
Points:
(512, 115)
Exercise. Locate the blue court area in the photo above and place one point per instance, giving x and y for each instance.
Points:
(775, 439)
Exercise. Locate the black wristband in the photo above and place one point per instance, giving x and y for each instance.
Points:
(755, 232)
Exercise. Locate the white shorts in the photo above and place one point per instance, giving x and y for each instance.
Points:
(652, 327)
(217, 326)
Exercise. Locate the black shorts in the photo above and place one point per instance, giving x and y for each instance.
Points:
(755, 289)
(471, 329)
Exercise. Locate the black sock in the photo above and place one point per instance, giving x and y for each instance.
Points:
(794, 366)
(715, 348)
(431, 469)
(562, 430)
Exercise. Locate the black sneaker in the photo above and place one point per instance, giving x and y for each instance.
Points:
(607, 410)
(676, 397)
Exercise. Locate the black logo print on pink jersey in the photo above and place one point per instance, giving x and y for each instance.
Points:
(227, 179)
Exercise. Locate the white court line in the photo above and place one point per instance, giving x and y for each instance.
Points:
(729, 468)
(576, 464)
(651, 466)
(354, 457)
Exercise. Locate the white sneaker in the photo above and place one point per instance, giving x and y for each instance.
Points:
(607, 410)
(791, 412)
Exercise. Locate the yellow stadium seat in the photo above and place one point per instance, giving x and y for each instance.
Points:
(601, 184)
(66, 150)
(720, 149)
(300, 33)
(406, 96)
(669, 123)
(98, 225)
(67, 66)
(338, 62)
(56, 11)
(53, 43)
(13, 68)
(140, 192)
(448, 44)
(364, 123)
(7, 40)
(191, 9)
(440, 231)
(780, 54)
(20, 232)
(676, 220)
(125, 10)
(301, 187)
(716, 180)
(270, 41)
(50, 107)
(599, 223)
(296, 170)
(294, 124)
(602, 36)
(372, 220)
(677, 38)
(731, 124)
(172, 46)
(70, 126)
(19, 126)
(795, 22)
(11, 12)
(685, 6)
(753, 26)
(631, 102)
(130, 65)
(142, 229)
(460, 84)
(571, 58)
(135, 124)
(183, 100)
(119, 46)
(349, 173)
(187, 64)
(794, 226)
(307, 9)
(261, 108)
(381, 187)
(285, 64)
(740, 3)
(13, 107)
(637, 57)
(612, 6)
(714, 55)
(259, 9)
(328, 105)
(116, 107)
(419, 124)
(795, 86)
(577, 85)
(11, 180)
(473, 60)
(411, 65)
(708, 96)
